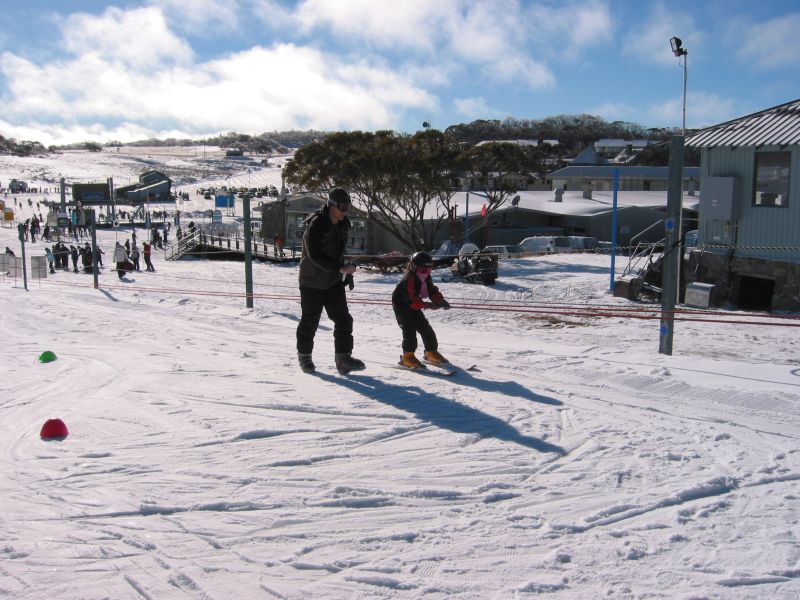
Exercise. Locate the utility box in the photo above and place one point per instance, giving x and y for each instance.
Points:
(718, 198)
(698, 295)
(628, 286)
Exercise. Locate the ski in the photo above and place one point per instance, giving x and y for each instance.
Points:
(424, 370)
(443, 367)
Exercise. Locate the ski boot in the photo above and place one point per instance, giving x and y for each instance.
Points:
(433, 357)
(306, 364)
(409, 361)
(346, 363)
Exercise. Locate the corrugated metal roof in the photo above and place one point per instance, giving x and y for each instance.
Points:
(607, 172)
(777, 126)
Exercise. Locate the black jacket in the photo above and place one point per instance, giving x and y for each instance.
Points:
(323, 251)
(406, 294)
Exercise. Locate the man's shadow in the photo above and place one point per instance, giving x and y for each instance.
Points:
(440, 411)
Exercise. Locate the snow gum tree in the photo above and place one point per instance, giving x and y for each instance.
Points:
(404, 183)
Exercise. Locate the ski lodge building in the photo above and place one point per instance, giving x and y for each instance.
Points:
(749, 217)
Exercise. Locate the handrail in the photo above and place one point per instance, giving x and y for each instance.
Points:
(643, 251)
(641, 233)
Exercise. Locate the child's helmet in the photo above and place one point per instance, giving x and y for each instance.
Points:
(422, 259)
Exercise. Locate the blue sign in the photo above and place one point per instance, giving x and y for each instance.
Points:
(227, 201)
(93, 197)
(669, 225)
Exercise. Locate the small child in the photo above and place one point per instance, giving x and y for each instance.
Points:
(408, 300)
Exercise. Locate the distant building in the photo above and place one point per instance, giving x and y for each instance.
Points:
(288, 217)
(749, 219)
(620, 151)
(631, 178)
(538, 213)
(153, 186)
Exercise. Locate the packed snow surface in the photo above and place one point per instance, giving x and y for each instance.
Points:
(573, 461)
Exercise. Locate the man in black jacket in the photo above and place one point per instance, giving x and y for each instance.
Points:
(323, 274)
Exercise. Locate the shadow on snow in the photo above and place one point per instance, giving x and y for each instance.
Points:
(440, 411)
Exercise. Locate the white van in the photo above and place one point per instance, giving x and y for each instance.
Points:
(580, 242)
(504, 251)
(541, 244)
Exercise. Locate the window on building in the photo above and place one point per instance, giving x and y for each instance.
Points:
(772, 179)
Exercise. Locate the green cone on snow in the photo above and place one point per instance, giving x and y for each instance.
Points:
(47, 356)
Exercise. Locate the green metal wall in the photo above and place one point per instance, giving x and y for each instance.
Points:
(759, 231)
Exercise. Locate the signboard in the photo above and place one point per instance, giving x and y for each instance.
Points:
(5, 261)
(15, 266)
(92, 198)
(8, 214)
(62, 220)
(39, 267)
(227, 201)
(91, 193)
(216, 217)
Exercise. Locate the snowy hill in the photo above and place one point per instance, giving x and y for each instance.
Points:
(575, 462)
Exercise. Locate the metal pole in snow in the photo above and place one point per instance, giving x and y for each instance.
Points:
(466, 221)
(248, 255)
(670, 272)
(614, 229)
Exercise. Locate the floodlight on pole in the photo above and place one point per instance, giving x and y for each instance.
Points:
(678, 50)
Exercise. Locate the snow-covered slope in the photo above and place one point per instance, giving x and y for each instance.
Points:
(577, 462)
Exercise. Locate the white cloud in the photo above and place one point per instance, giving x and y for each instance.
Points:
(274, 15)
(702, 110)
(489, 33)
(60, 134)
(138, 38)
(649, 41)
(410, 24)
(211, 17)
(566, 31)
(613, 111)
(284, 87)
(472, 108)
(772, 44)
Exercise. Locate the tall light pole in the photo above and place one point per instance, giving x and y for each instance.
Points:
(678, 50)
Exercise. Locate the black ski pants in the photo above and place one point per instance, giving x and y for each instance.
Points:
(334, 301)
(412, 322)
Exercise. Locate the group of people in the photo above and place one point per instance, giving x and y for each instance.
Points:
(324, 275)
(59, 255)
(126, 257)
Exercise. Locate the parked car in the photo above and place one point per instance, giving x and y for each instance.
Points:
(541, 244)
(505, 251)
(562, 244)
(580, 242)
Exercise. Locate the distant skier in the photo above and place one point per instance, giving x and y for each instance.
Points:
(146, 250)
(135, 257)
(120, 258)
(50, 258)
(73, 252)
(413, 293)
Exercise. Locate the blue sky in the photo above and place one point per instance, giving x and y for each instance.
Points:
(128, 70)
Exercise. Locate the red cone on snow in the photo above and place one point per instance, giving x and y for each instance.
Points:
(53, 429)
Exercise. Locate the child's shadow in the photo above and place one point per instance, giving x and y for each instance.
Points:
(440, 411)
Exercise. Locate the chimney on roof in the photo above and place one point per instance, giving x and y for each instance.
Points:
(558, 195)
(692, 186)
(587, 191)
